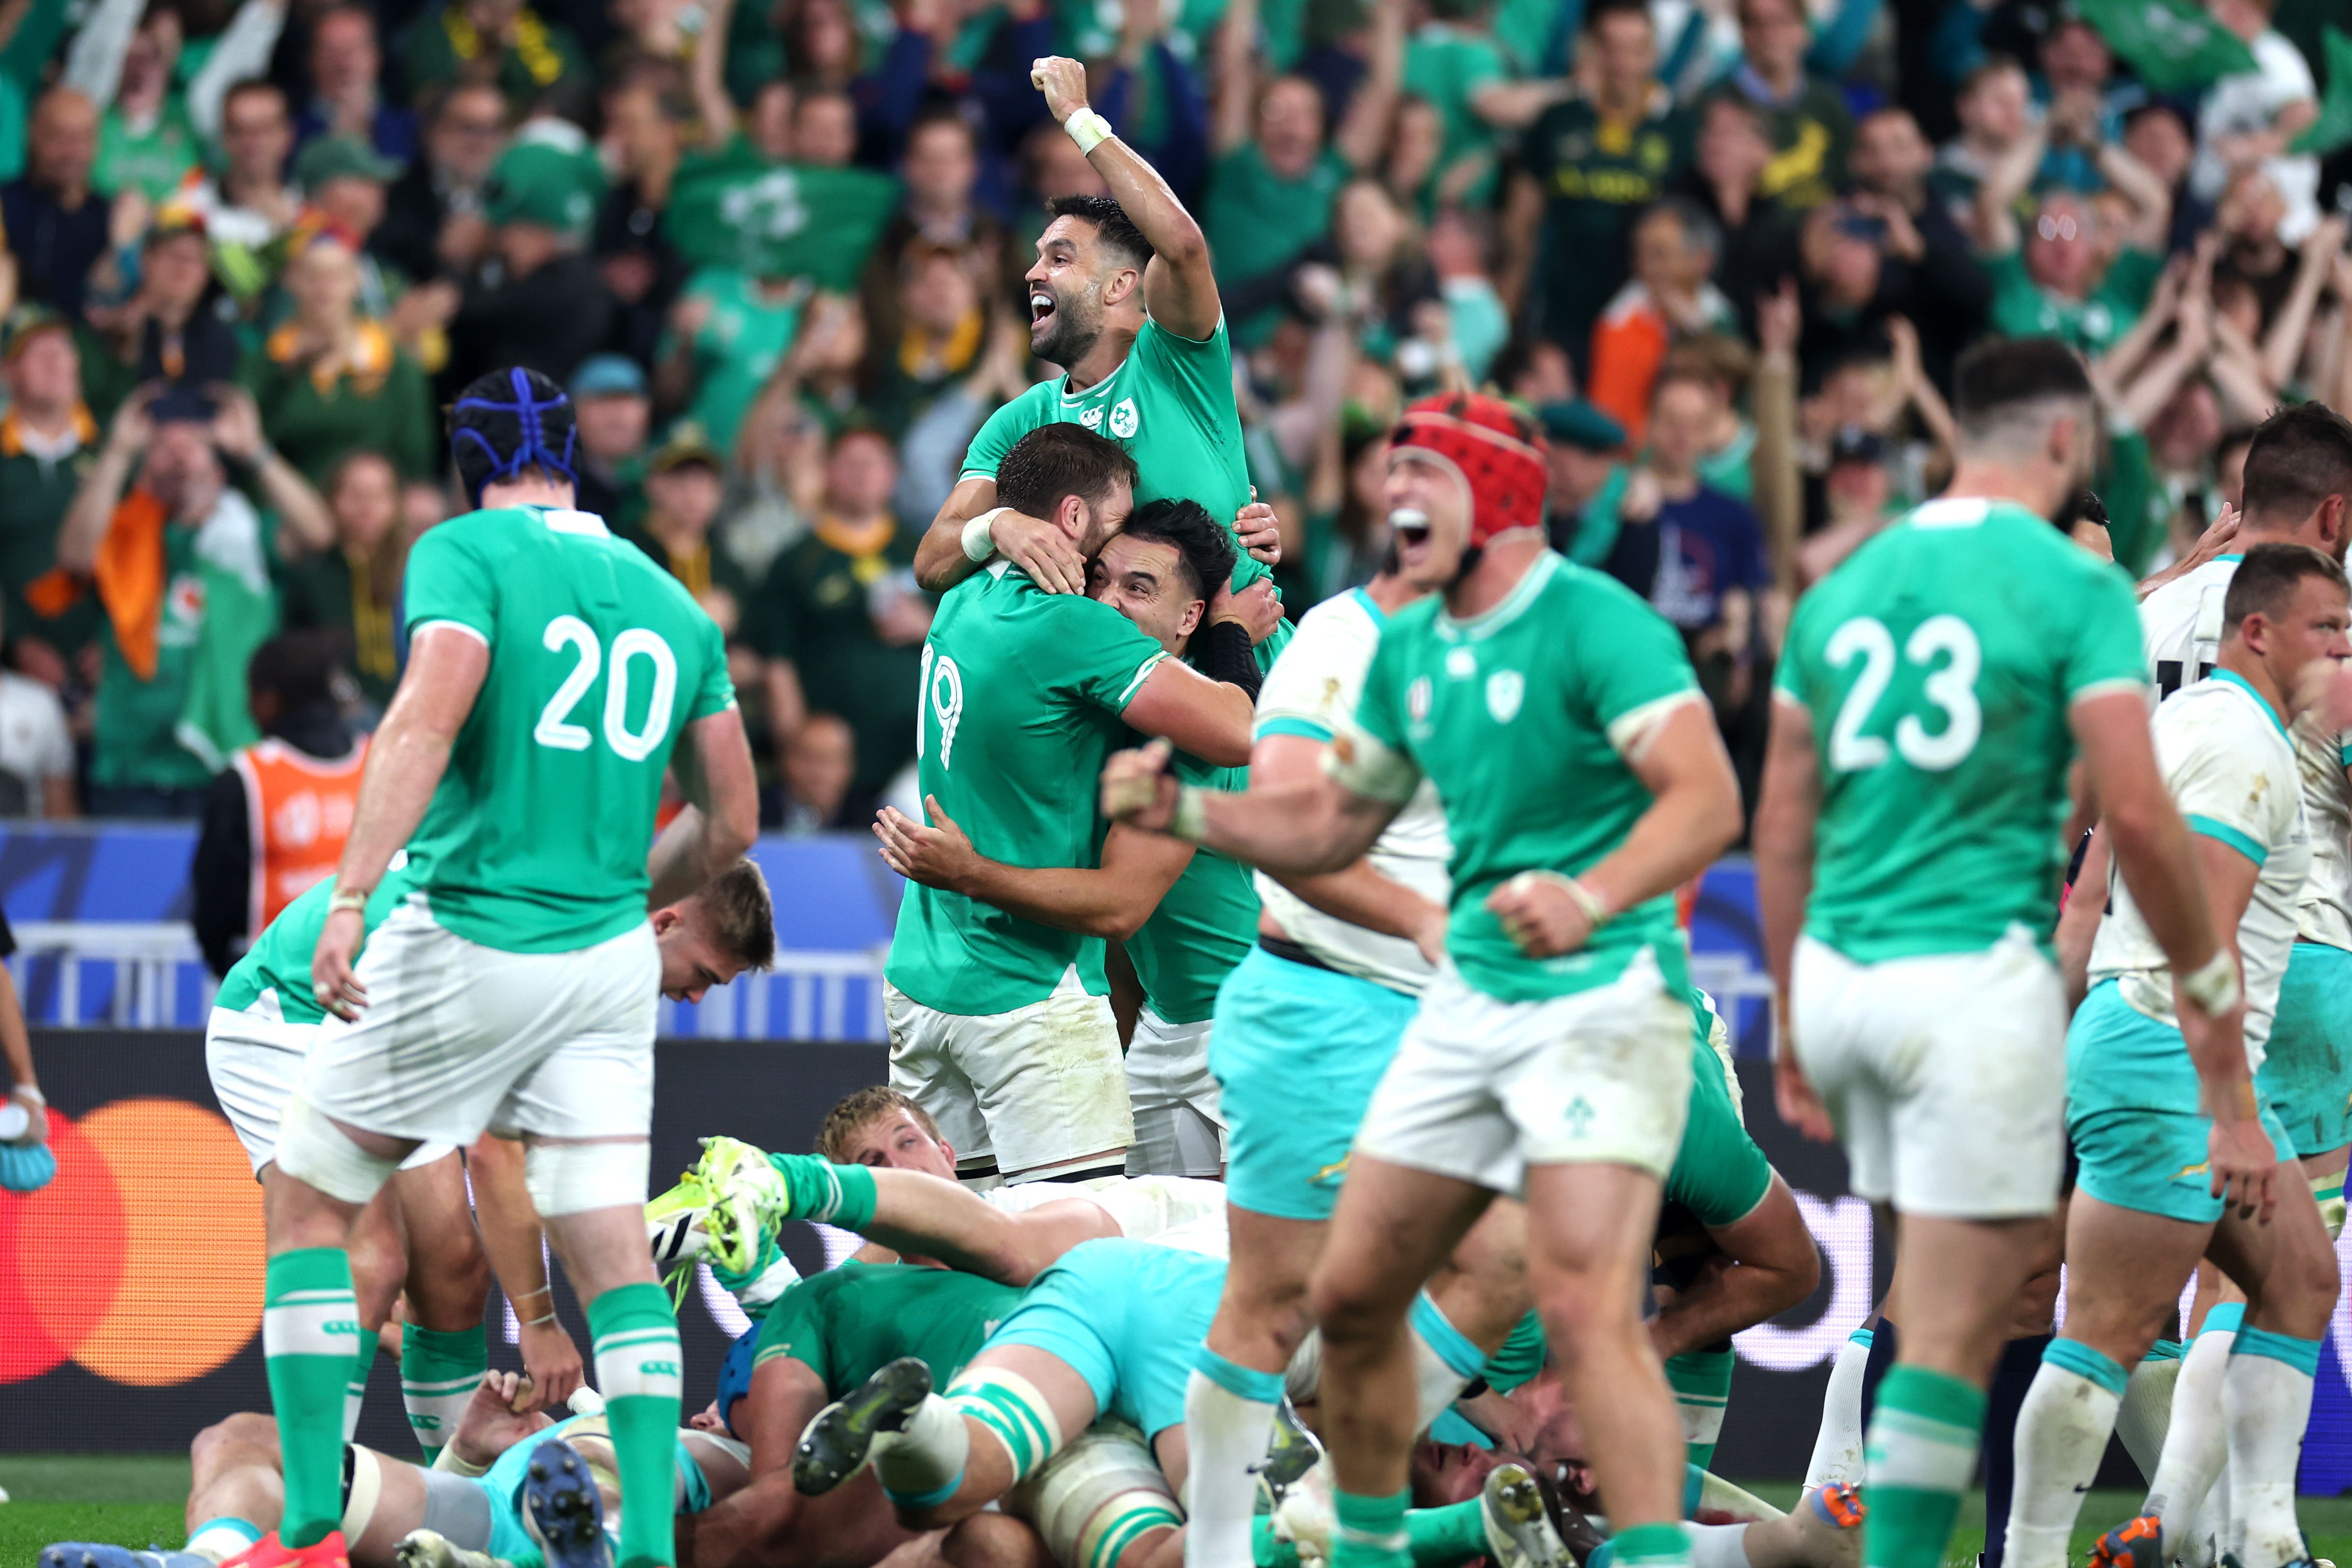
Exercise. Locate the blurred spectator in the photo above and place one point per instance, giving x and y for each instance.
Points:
(1588, 168)
(2249, 119)
(1859, 488)
(167, 330)
(613, 409)
(1805, 117)
(1996, 109)
(299, 785)
(646, 131)
(2079, 275)
(537, 300)
(1587, 479)
(2157, 134)
(820, 763)
(683, 489)
(937, 213)
(344, 182)
(250, 205)
(44, 437)
(176, 556)
(503, 42)
(839, 617)
(36, 750)
(56, 223)
(1726, 179)
(346, 88)
(1926, 268)
(1675, 245)
(433, 215)
(1694, 553)
(825, 129)
(128, 57)
(331, 380)
(348, 592)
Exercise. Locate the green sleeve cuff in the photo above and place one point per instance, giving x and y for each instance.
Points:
(2244, 844)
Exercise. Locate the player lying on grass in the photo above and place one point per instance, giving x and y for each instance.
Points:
(467, 1511)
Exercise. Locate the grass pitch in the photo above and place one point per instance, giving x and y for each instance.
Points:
(136, 1500)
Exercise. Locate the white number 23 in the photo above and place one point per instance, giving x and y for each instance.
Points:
(1951, 688)
(555, 729)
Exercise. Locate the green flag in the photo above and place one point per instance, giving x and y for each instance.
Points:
(780, 220)
(2333, 128)
(2172, 45)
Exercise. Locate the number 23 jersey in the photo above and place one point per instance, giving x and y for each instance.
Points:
(537, 835)
(1938, 665)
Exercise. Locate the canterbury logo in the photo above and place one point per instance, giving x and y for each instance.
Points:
(658, 1368)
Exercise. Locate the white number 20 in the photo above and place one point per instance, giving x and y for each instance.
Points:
(1952, 688)
(554, 728)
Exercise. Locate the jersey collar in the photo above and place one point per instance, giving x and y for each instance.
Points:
(2261, 702)
(1372, 607)
(1072, 400)
(1508, 609)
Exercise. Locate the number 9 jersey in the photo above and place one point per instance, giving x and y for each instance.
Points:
(1938, 665)
(538, 833)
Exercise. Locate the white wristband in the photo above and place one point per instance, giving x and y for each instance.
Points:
(29, 1094)
(1190, 820)
(2213, 986)
(977, 545)
(1088, 128)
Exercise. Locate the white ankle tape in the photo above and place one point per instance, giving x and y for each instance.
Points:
(312, 1149)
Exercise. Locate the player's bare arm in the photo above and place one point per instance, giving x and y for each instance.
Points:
(513, 1239)
(713, 763)
(1768, 1264)
(1036, 546)
(1694, 816)
(1788, 812)
(1359, 894)
(1309, 828)
(917, 1214)
(1111, 901)
(2243, 1158)
(2078, 922)
(447, 666)
(1208, 718)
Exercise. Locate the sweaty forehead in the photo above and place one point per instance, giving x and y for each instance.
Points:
(1078, 234)
(1126, 553)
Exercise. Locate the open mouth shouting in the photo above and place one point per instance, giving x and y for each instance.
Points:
(1041, 310)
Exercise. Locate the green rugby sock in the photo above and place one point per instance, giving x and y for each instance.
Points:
(439, 1370)
(818, 1189)
(355, 1391)
(1370, 1532)
(1920, 1456)
(1665, 1545)
(638, 1370)
(1701, 1380)
(310, 1339)
(1436, 1537)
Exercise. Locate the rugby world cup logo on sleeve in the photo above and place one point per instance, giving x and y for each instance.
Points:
(1505, 689)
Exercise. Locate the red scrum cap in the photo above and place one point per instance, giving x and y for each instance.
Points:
(1496, 452)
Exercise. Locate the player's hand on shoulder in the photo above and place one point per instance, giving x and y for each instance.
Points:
(1136, 787)
(940, 855)
(1063, 81)
(1260, 531)
(1041, 550)
(1256, 609)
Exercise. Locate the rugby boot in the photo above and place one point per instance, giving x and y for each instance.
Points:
(837, 1442)
(566, 1511)
(2137, 1544)
(430, 1548)
(1519, 1532)
(98, 1555)
(1292, 1452)
(271, 1552)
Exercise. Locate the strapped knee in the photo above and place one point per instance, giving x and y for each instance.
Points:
(313, 1150)
(1014, 1413)
(362, 1488)
(1097, 1496)
(572, 1179)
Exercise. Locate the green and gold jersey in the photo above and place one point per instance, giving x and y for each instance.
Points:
(1938, 665)
(1204, 924)
(1022, 693)
(1170, 403)
(850, 1321)
(1521, 717)
(537, 835)
(279, 960)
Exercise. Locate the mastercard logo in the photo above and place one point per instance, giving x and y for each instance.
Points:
(143, 1261)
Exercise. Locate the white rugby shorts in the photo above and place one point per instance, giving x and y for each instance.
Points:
(1177, 1129)
(253, 1058)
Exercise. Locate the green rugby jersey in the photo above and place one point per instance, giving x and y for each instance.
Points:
(1517, 716)
(280, 960)
(537, 835)
(850, 1321)
(1170, 403)
(1204, 924)
(1022, 693)
(1939, 664)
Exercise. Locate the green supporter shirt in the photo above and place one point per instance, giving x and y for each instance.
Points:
(1446, 67)
(1938, 665)
(537, 835)
(736, 348)
(2024, 309)
(1021, 696)
(1258, 221)
(279, 960)
(152, 161)
(1596, 177)
(1170, 404)
(314, 429)
(850, 1321)
(1204, 925)
(35, 494)
(2139, 502)
(1519, 715)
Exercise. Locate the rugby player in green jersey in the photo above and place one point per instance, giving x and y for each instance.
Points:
(1932, 698)
(1182, 916)
(1123, 300)
(1000, 1024)
(1582, 781)
(553, 673)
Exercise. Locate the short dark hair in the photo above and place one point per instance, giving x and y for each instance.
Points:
(1113, 227)
(1600, 10)
(739, 914)
(296, 667)
(2299, 457)
(2000, 376)
(2269, 577)
(1057, 460)
(1201, 543)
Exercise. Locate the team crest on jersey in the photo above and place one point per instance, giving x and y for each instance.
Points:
(1417, 697)
(1461, 664)
(1505, 689)
(1123, 419)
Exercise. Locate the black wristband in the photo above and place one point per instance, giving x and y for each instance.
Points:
(1222, 652)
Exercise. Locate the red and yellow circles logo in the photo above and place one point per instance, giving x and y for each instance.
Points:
(143, 1261)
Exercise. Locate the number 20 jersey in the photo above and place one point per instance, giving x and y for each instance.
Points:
(1939, 664)
(537, 835)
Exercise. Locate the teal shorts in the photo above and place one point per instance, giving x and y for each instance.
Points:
(2307, 1076)
(1126, 1316)
(2131, 1112)
(512, 1540)
(1297, 1052)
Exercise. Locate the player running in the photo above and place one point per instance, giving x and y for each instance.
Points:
(1931, 699)
(2141, 1103)
(552, 671)
(999, 1025)
(1583, 779)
